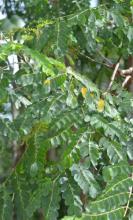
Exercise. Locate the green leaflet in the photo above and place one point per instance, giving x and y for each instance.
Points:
(120, 184)
(114, 150)
(21, 196)
(71, 100)
(50, 204)
(85, 180)
(115, 214)
(9, 48)
(70, 193)
(109, 202)
(110, 130)
(91, 149)
(61, 35)
(38, 196)
(112, 171)
(6, 206)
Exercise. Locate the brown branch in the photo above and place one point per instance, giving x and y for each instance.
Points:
(126, 81)
(127, 72)
(113, 76)
(109, 65)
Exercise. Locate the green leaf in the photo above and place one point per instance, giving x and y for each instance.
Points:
(62, 33)
(85, 180)
(110, 129)
(25, 79)
(109, 202)
(34, 169)
(118, 19)
(130, 150)
(114, 150)
(22, 100)
(38, 196)
(114, 214)
(112, 171)
(71, 100)
(91, 149)
(84, 80)
(130, 33)
(7, 206)
(50, 203)
(72, 199)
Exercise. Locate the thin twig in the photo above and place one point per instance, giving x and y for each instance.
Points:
(105, 58)
(95, 61)
(126, 81)
(110, 65)
(113, 76)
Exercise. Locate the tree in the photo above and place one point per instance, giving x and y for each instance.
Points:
(66, 131)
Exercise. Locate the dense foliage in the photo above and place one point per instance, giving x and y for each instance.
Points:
(66, 134)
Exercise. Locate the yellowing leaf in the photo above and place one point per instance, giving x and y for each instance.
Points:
(47, 81)
(92, 94)
(100, 105)
(83, 91)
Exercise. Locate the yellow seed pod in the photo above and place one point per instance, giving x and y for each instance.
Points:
(47, 82)
(100, 105)
(83, 91)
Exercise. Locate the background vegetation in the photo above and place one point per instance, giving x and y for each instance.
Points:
(66, 110)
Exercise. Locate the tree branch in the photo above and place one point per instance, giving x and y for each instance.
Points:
(127, 73)
(126, 81)
(113, 76)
